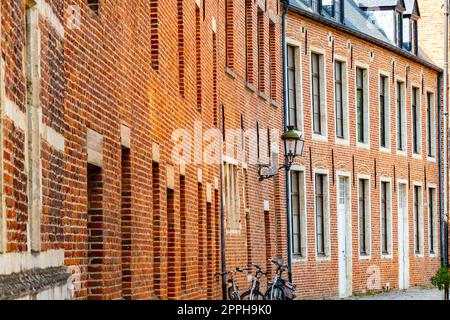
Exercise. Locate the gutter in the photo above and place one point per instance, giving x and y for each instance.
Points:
(341, 27)
(286, 120)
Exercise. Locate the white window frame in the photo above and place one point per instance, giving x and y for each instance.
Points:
(435, 214)
(303, 216)
(299, 78)
(327, 256)
(346, 140)
(323, 94)
(234, 203)
(386, 74)
(433, 130)
(389, 220)
(366, 107)
(404, 121)
(421, 221)
(419, 122)
(368, 217)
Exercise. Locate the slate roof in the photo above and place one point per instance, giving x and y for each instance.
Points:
(412, 7)
(379, 3)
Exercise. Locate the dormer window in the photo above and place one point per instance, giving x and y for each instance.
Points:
(410, 22)
(328, 8)
(399, 28)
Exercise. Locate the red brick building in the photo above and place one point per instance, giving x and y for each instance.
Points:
(112, 115)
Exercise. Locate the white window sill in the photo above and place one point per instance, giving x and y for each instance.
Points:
(431, 159)
(233, 231)
(385, 149)
(342, 141)
(387, 256)
(418, 255)
(298, 260)
(417, 156)
(326, 258)
(363, 145)
(320, 137)
(365, 257)
(403, 153)
(433, 255)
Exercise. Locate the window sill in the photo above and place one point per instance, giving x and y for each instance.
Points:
(365, 257)
(274, 104)
(433, 255)
(363, 145)
(299, 259)
(263, 96)
(403, 153)
(417, 156)
(323, 258)
(431, 159)
(250, 87)
(319, 137)
(234, 232)
(387, 256)
(342, 141)
(418, 255)
(230, 72)
(385, 150)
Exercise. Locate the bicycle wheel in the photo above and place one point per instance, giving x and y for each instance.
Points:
(255, 296)
(233, 295)
(276, 294)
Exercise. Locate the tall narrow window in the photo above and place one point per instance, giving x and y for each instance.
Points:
(126, 223)
(321, 199)
(418, 219)
(292, 86)
(95, 231)
(154, 34)
(171, 244)
(384, 112)
(399, 28)
(157, 231)
(315, 4)
(385, 203)
(229, 33)
(316, 93)
(183, 223)
(431, 126)
(401, 118)
(339, 103)
(201, 234)
(362, 105)
(432, 219)
(298, 219)
(249, 40)
(180, 46)
(198, 56)
(261, 53)
(273, 60)
(416, 121)
(364, 228)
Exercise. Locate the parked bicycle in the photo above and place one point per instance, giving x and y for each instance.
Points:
(280, 289)
(233, 289)
(254, 293)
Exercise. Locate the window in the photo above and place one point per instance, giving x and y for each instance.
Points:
(184, 238)
(328, 7)
(386, 217)
(198, 56)
(94, 5)
(432, 220)
(407, 33)
(339, 10)
(298, 214)
(157, 245)
(318, 94)
(431, 126)
(231, 197)
(418, 219)
(399, 28)
(401, 117)
(261, 52)
(171, 242)
(416, 121)
(321, 201)
(315, 5)
(126, 189)
(415, 37)
(364, 220)
(215, 82)
(339, 103)
(362, 113)
(249, 40)
(293, 85)
(384, 112)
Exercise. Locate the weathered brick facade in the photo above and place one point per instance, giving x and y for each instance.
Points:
(96, 107)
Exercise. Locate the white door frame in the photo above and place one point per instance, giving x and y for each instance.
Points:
(344, 224)
(403, 236)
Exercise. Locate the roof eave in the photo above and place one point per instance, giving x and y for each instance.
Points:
(364, 36)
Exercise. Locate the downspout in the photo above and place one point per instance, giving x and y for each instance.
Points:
(286, 121)
(445, 132)
(441, 183)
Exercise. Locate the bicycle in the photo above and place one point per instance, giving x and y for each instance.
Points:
(280, 289)
(253, 293)
(233, 290)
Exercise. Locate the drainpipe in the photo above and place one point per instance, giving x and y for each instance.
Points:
(441, 176)
(445, 132)
(286, 120)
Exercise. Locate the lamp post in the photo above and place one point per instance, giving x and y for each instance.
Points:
(293, 148)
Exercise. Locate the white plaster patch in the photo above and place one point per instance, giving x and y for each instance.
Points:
(55, 139)
(19, 262)
(13, 112)
(209, 193)
(170, 178)
(47, 12)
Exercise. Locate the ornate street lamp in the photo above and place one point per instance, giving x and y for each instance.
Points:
(293, 147)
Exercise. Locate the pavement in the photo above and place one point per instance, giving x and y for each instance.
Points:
(410, 294)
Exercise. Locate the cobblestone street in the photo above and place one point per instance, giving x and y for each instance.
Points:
(410, 294)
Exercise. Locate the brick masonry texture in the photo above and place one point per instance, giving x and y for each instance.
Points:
(134, 223)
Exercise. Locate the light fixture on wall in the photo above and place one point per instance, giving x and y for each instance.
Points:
(293, 148)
